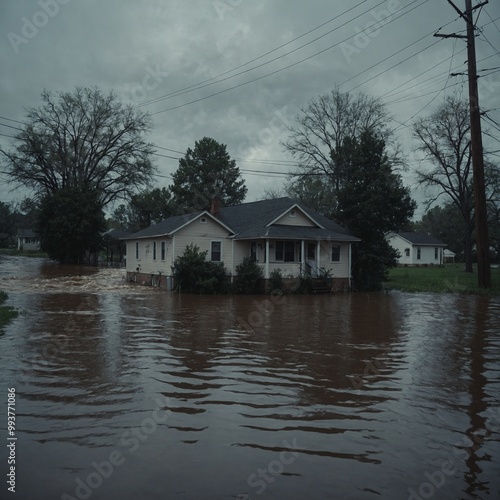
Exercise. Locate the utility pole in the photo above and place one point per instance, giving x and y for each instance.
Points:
(481, 216)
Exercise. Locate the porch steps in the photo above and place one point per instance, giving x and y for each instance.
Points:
(319, 286)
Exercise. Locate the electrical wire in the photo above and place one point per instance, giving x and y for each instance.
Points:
(281, 69)
(205, 83)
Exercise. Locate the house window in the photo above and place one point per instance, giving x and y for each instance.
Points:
(285, 251)
(203, 220)
(137, 250)
(292, 213)
(163, 250)
(154, 250)
(289, 252)
(216, 251)
(407, 252)
(278, 256)
(253, 251)
(335, 253)
(436, 251)
(419, 253)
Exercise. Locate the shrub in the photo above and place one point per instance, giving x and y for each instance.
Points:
(249, 276)
(194, 274)
(305, 284)
(276, 280)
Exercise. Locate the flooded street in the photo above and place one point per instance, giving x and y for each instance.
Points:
(130, 392)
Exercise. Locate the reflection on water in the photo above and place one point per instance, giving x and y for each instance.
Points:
(128, 392)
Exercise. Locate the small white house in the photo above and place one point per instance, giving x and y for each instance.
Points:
(278, 234)
(27, 240)
(416, 249)
(449, 256)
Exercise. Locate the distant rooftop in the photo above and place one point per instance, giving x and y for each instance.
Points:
(421, 238)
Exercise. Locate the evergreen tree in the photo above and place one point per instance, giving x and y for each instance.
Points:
(207, 172)
(371, 202)
(70, 224)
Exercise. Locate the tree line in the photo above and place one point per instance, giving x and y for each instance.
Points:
(84, 152)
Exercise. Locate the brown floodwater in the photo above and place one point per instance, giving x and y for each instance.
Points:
(126, 392)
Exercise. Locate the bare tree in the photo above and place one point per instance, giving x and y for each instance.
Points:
(444, 138)
(325, 123)
(86, 140)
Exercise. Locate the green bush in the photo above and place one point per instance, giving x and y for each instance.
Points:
(276, 280)
(194, 274)
(249, 276)
(305, 284)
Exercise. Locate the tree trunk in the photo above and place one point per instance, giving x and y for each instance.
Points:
(468, 250)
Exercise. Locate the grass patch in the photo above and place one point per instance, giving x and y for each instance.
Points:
(13, 251)
(450, 278)
(6, 312)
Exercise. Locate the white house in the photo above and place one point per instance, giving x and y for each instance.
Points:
(449, 256)
(417, 248)
(279, 233)
(27, 240)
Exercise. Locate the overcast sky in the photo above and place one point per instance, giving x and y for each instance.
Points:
(147, 49)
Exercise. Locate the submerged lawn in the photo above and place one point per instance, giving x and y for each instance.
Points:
(450, 278)
(6, 312)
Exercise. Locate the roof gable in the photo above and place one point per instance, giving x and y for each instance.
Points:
(288, 211)
(256, 220)
(173, 224)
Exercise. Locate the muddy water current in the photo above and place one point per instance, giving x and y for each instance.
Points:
(128, 392)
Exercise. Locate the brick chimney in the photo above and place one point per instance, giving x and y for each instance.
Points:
(215, 208)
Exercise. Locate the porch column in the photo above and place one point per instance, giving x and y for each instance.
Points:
(318, 254)
(232, 259)
(302, 256)
(350, 254)
(267, 259)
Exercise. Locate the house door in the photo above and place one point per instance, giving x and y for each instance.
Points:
(311, 259)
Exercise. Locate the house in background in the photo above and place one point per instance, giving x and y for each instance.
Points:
(278, 234)
(115, 246)
(27, 240)
(417, 249)
(449, 256)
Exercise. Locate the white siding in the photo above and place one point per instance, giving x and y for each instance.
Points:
(338, 269)
(299, 220)
(202, 235)
(401, 245)
(145, 260)
(427, 253)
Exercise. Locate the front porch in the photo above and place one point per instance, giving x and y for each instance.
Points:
(294, 258)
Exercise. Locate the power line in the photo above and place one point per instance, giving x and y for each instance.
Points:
(285, 67)
(9, 126)
(11, 120)
(392, 55)
(205, 83)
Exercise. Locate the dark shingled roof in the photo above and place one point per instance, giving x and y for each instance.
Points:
(165, 227)
(251, 221)
(421, 239)
(26, 233)
(116, 234)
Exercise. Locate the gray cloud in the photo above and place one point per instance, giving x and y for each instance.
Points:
(147, 49)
